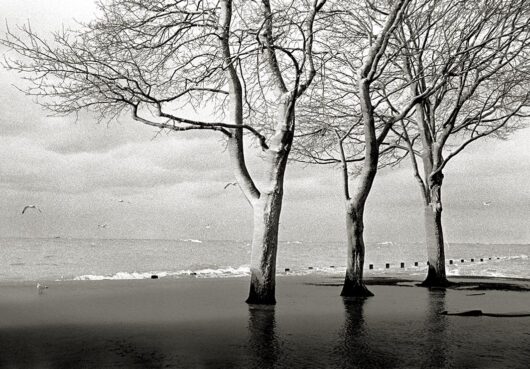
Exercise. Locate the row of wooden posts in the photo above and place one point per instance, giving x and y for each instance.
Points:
(402, 265)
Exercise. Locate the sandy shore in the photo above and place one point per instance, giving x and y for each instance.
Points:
(204, 323)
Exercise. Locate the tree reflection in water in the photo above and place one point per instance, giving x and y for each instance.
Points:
(436, 346)
(263, 341)
(357, 347)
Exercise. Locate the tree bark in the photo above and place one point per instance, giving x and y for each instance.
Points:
(353, 282)
(436, 276)
(264, 249)
(267, 211)
(431, 187)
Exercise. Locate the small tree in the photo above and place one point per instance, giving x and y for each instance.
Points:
(479, 49)
(154, 59)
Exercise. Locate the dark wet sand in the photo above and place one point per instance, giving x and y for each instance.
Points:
(204, 323)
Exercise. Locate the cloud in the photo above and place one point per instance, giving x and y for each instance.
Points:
(65, 135)
(69, 137)
(28, 165)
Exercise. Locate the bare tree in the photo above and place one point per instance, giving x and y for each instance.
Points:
(285, 69)
(360, 100)
(356, 200)
(450, 72)
(481, 48)
(156, 59)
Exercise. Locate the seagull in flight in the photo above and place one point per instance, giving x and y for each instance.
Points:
(230, 184)
(30, 207)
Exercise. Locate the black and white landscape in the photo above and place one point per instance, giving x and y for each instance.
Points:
(356, 172)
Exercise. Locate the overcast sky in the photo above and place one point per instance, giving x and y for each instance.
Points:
(172, 185)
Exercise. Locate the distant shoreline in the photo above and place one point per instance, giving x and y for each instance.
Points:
(402, 279)
(183, 239)
(63, 259)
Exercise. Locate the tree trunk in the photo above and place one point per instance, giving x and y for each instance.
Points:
(353, 282)
(267, 209)
(436, 276)
(264, 247)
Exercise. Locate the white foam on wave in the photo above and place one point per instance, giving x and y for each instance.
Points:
(385, 243)
(523, 256)
(117, 276)
(314, 270)
(483, 273)
(202, 273)
(513, 266)
(191, 240)
(229, 272)
(488, 268)
(224, 272)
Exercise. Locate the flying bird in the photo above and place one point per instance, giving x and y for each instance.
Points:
(486, 203)
(105, 225)
(31, 207)
(230, 184)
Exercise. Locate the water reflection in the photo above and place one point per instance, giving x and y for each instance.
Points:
(357, 348)
(436, 338)
(263, 341)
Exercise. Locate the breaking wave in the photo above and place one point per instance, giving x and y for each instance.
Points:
(202, 273)
(513, 266)
(486, 268)
(191, 240)
(385, 243)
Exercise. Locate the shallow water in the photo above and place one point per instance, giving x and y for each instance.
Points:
(58, 258)
(205, 324)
